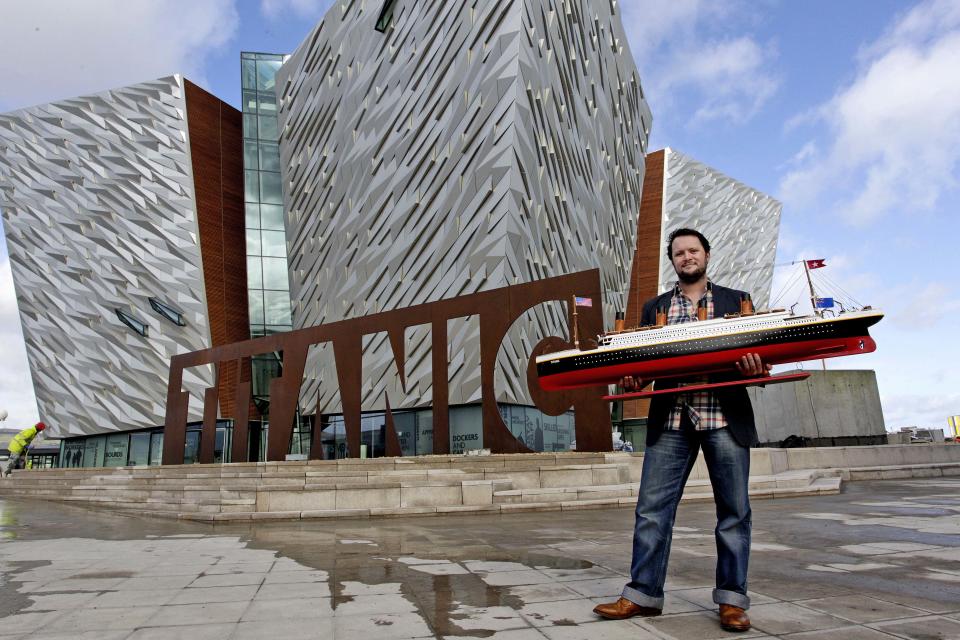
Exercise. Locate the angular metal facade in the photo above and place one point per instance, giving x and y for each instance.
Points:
(741, 223)
(99, 209)
(467, 147)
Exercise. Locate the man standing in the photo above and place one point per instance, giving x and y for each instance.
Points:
(720, 422)
(18, 446)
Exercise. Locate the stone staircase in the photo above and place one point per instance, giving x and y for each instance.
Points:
(426, 485)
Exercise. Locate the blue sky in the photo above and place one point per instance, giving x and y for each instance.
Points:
(848, 112)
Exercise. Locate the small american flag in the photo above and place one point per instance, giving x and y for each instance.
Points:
(583, 302)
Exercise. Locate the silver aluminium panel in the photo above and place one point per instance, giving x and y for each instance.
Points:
(469, 147)
(98, 208)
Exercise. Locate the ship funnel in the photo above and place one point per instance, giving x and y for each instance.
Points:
(618, 323)
(702, 309)
(661, 317)
(746, 305)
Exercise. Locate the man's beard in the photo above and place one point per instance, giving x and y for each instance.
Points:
(691, 277)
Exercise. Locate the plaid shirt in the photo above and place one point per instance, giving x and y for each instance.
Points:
(702, 406)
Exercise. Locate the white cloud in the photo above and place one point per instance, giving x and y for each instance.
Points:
(921, 410)
(274, 9)
(730, 76)
(925, 307)
(50, 49)
(894, 131)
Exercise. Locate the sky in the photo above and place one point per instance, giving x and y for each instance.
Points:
(847, 112)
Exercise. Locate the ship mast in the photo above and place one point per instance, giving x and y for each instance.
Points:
(813, 295)
(813, 302)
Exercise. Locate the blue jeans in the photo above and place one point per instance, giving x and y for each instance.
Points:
(666, 467)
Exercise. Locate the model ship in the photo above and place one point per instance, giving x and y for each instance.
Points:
(695, 349)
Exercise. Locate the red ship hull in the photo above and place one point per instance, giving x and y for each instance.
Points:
(711, 362)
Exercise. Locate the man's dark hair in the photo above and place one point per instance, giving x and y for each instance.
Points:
(686, 232)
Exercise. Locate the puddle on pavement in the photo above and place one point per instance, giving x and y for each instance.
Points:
(454, 585)
(438, 576)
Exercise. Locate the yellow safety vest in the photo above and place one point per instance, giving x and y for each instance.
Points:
(22, 440)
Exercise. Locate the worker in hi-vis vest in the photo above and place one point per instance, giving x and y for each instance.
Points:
(18, 446)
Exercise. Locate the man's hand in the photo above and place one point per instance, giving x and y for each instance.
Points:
(629, 383)
(750, 366)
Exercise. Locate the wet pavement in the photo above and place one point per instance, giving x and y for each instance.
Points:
(880, 560)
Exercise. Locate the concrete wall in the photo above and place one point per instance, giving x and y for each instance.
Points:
(828, 404)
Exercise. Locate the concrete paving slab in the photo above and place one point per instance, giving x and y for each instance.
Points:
(921, 628)
(385, 626)
(890, 551)
(218, 631)
(786, 617)
(843, 633)
(265, 610)
(860, 608)
(198, 614)
(604, 630)
(701, 625)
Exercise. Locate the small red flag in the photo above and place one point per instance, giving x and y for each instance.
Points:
(816, 264)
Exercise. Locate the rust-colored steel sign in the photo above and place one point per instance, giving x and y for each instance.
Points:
(497, 310)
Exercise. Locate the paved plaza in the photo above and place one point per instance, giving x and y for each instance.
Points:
(880, 560)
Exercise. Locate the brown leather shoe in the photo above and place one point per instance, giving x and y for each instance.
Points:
(623, 609)
(734, 618)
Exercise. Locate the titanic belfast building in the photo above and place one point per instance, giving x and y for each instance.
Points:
(404, 153)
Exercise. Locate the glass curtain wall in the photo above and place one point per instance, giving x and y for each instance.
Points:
(267, 277)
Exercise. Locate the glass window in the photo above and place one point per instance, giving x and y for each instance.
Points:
(267, 103)
(271, 217)
(132, 321)
(270, 190)
(275, 274)
(248, 74)
(249, 125)
(93, 451)
(219, 445)
(333, 438)
(250, 154)
(251, 186)
(255, 300)
(249, 101)
(466, 428)
(253, 215)
(280, 328)
(264, 369)
(254, 273)
(405, 423)
(139, 449)
(277, 306)
(72, 453)
(116, 450)
(172, 314)
(274, 243)
(424, 432)
(191, 448)
(266, 74)
(268, 127)
(269, 156)
(156, 448)
(253, 242)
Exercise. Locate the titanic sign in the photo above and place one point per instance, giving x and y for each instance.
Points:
(496, 310)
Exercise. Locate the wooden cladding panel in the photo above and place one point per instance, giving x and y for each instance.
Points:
(645, 272)
(216, 148)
